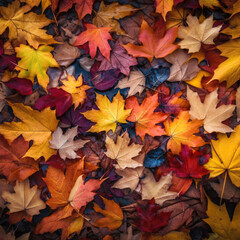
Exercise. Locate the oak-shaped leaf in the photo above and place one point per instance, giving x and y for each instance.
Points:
(35, 62)
(34, 125)
(113, 215)
(109, 113)
(149, 218)
(122, 152)
(197, 33)
(58, 98)
(159, 190)
(65, 143)
(12, 163)
(154, 43)
(14, 18)
(97, 38)
(208, 111)
(181, 131)
(119, 59)
(145, 117)
(24, 199)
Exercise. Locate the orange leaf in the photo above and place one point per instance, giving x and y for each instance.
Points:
(113, 215)
(97, 37)
(60, 185)
(82, 7)
(154, 44)
(82, 193)
(163, 7)
(145, 117)
(12, 163)
(181, 131)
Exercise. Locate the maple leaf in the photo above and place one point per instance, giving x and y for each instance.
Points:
(229, 69)
(135, 82)
(64, 143)
(82, 193)
(112, 213)
(238, 103)
(196, 34)
(157, 190)
(130, 178)
(176, 17)
(34, 125)
(149, 219)
(122, 152)
(163, 7)
(82, 7)
(76, 88)
(208, 112)
(225, 161)
(24, 199)
(109, 113)
(33, 3)
(35, 63)
(57, 98)
(21, 85)
(14, 18)
(119, 59)
(144, 116)
(108, 15)
(154, 44)
(221, 223)
(97, 37)
(12, 163)
(183, 68)
(181, 131)
(234, 27)
(187, 165)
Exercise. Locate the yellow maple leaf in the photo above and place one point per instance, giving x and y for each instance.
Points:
(34, 125)
(76, 89)
(197, 33)
(108, 15)
(163, 7)
(33, 3)
(226, 157)
(24, 25)
(109, 113)
(35, 63)
(234, 27)
(220, 222)
(229, 70)
(181, 131)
